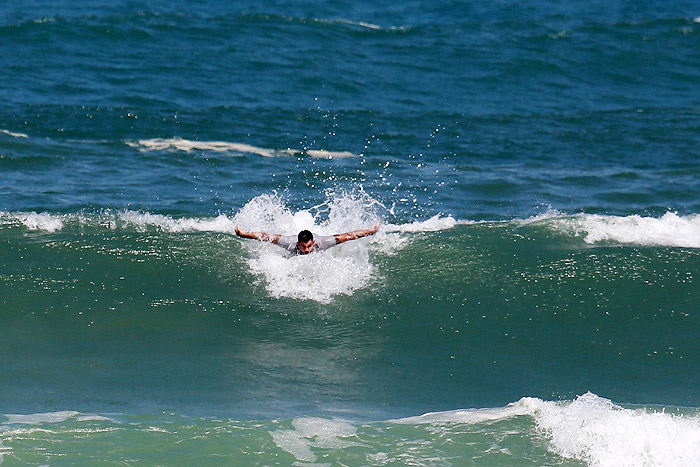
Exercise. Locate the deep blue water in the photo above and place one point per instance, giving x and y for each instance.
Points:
(535, 168)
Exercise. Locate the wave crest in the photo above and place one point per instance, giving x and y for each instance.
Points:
(594, 430)
(185, 145)
(670, 229)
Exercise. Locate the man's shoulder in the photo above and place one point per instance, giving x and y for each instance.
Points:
(285, 241)
(325, 241)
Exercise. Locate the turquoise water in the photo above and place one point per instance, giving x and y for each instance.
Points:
(530, 297)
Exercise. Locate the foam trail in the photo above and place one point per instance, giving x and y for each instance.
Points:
(323, 154)
(164, 144)
(140, 220)
(525, 406)
(180, 144)
(37, 418)
(352, 23)
(311, 432)
(14, 135)
(51, 417)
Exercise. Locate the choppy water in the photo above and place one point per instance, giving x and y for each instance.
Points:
(530, 298)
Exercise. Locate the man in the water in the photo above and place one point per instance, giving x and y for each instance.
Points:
(306, 242)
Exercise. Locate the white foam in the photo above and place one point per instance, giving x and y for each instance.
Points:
(35, 221)
(473, 416)
(668, 230)
(140, 220)
(51, 417)
(10, 430)
(390, 239)
(164, 144)
(180, 144)
(318, 277)
(323, 154)
(37, 418)
(355, 23)
(14, 135)
(595, 430)
(311, 432)
(3, 451)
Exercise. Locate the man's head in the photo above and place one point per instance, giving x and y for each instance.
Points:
(305, 242)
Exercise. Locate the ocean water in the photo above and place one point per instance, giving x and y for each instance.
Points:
(531, 296)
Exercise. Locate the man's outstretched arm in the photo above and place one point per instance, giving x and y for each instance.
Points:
(344, 237)
(262, 236)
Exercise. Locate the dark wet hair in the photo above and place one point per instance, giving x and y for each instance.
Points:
(305, 236)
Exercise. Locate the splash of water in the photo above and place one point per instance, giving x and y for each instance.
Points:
(319, 276)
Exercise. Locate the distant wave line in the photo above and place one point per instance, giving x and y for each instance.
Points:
(13, 134)
(670, 230)
(50, 222)
(163, 144)
(180, 144)
(139, 19)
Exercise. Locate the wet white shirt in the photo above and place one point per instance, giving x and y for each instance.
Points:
(321, 242)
